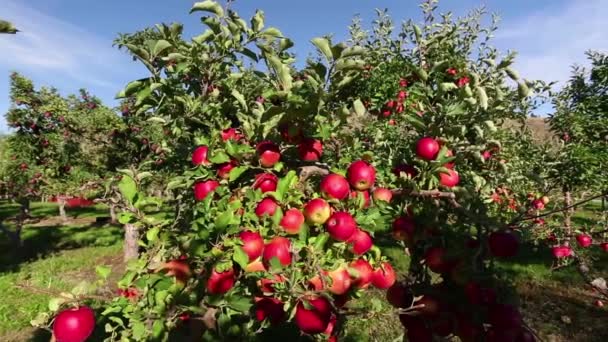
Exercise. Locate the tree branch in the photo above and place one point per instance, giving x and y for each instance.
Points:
(560, 210)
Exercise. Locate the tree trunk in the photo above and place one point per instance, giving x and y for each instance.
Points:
(61, 202)
(131, 247)
(568, 212)
(112, 214)
(24, 209)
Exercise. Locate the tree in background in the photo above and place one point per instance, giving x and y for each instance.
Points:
(7, 27)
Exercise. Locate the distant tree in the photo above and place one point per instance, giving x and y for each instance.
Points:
(7, 27)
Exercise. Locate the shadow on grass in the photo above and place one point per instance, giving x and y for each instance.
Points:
(39, 242)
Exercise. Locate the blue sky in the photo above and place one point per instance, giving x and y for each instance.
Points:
(68, 43)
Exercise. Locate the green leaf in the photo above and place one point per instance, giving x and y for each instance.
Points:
(103, 271)
(359, 107)
(272, 32)
(522, 89)
(160, 46)
(324, 47)
(219, 157)
(138, 329)
(415, 121)
(238, 303)
(208, 6)
(55, 303)
(237, 172)
(125, 217)
(224, 219)
(204, 37)
(483, 97)
(275, 264)
(240, 257)
(352, 51)
(152, 234)
(239, 97)
(257, 21)
(512, 73)
(285, 184)
(447, 86)
(128, 188)
(421, 73)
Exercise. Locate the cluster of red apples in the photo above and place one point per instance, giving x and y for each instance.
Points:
(325, 212)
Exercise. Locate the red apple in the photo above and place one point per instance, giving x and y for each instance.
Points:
(363, 271)
(584, 240)
(269, 308)
(267, 206)
(560, 252)
(317, 211)
(503, 244)
(223, 170)
(538, 204)
(382, 194)
(478, 295)
(335, 186)
(451, 164)
(290, 133)
(230, 134)
(340, 281)
(404, 228)
(429, 305)
(314, 318)
(504, 316)
(427, 148)
(269, 153)
(604, 246)
(365, 194)
(255, 266)
(450, 179)
(341, 226)
(74, 325)
(384, 276)
(292, 221)
(361, 242)
(399, 296)
(266, 182)
(361, 175)
(178, 269)
(220, 282)
(266, 285)
(199, 156)
(330, 327)
(310, 149)
(279, 248)
(253, 244)
(486, 155)
(437, 261)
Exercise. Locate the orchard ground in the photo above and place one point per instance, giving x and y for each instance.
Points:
(57, 256)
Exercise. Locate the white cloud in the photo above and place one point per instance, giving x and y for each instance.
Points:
(47, 44)
(551, 41)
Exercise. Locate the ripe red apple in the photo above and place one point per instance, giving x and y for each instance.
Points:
(399, 296)
(266, 285)
(290, 133)
(270, 308)
(74, 325)
(382, 194)
(486, 155)
(584, 240)
(361, 242)
(341, 226)
(427, 148)
(335, 186)
(503, 244)
(599, 303)
(384, 276)
(604, 246)
(478, 295)
(407, 169)
(279, 248)
(220, 282)
(504, 316)
(266, 182)
(253, 244)
(330, 327)
(450, 179)
(561, 252)
(315, 318)
(223, 170)
(363, 271)
(437, 260)
(230, 134)
(199, 156)
(340, 281)
(365, 194)
(361, 175)
(538, 204)
(310, 149)
(292, 221)
(267, 206)
(317, 211)
(404, 228)
(269, 153)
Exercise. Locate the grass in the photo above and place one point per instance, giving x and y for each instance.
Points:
(55, 256)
